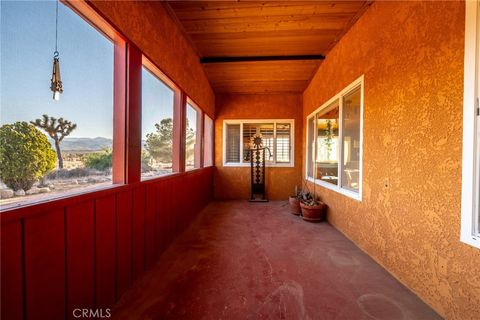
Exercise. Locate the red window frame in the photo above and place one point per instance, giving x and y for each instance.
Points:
(177, 114)
(198, 151)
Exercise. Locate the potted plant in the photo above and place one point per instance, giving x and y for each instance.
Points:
(294, 202)
(312, 209)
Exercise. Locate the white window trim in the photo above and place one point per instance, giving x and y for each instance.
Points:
(274, 121)
(470, 105)
(338, 97)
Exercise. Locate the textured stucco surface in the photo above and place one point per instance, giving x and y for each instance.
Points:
(148, 25)
(234, 183)
(411, 54)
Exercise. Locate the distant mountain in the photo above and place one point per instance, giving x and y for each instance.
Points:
(84, 144)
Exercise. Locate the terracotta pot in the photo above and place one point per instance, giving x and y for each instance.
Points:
(294, 206)
(313, 213)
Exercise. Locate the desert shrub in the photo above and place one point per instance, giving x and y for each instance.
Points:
(101, 161)
(66, 173)
(25, 155)
(145, 160)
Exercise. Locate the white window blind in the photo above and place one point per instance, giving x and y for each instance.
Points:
(232, 143)
(267, 132)
(277, 136)
(282, 150)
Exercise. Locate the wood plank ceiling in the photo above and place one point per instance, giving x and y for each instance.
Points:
(280, 32)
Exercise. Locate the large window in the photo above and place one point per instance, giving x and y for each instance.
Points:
(277, 136)
(193, 141)
(157, 125)
(69, 142)
(470, 229)
(208, 142)
(334, 142)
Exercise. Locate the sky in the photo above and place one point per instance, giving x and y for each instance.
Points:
(86, 67)
(157, 102)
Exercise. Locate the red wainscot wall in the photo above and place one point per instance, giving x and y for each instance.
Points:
(85, 251)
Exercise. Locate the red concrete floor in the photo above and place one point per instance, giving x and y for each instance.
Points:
(240, 260)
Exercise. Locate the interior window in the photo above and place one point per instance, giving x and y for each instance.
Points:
(327, 144)
(351, 140)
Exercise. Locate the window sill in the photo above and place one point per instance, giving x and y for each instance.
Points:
(345, 192)
(57, 197)
(144, 179)
(247, 165)
(471, 240)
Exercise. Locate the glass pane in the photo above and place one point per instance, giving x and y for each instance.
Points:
(310, 146)
(232, 143)
(79, 156)
(208, 142)
(351, 140)
(327, 144)
(157, 126)
(263, 129)
(192, 141)
(282, 149)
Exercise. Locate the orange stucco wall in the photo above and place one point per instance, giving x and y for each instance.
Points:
(148, 25)
(411, 54)
(234, 183)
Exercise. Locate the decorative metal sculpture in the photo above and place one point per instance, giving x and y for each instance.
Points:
(257, 168)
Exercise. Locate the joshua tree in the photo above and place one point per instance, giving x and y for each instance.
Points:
(57, 129)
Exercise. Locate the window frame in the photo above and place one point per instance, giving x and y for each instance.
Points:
(210, 144)
(149, 66)
(198, 153)
(274, 121)
(471, 122)
(358, 83)
(119, 176)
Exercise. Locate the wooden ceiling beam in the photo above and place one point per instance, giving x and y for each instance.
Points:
(260, 58)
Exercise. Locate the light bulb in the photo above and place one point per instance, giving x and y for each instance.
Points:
(56, 95)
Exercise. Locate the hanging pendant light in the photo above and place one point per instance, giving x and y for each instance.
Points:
(56, 82)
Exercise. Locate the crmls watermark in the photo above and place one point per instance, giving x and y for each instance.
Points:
(91, 313)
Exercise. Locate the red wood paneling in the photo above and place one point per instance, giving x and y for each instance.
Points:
(150, 198)
(134, 113)
(12, 278)
(168, 212)
(161, 194)
(84, 251)
(45, 265)
(138, 231)
(124, 241)
(105, 234)
(80, 257)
